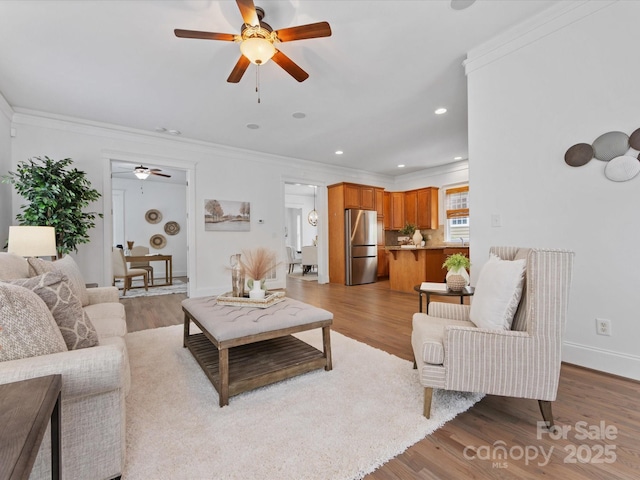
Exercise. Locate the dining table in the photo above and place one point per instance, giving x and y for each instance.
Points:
(152, 257)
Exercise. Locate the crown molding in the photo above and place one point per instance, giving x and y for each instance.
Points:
(539, 26)
(5, 108)
(23, 116)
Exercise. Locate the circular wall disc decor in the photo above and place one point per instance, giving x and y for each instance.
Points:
(634, 140)
(153, 216)
(158, 241)
(171, 228)
(578, 155)
(622, 168)
(610, 145)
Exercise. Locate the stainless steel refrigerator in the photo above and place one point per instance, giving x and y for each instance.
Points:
(361, 244)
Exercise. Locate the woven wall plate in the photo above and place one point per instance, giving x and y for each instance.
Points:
(622, 169)
(610, 145)
(171, 228)
(158, 241)
(578, 155)
(153, 216)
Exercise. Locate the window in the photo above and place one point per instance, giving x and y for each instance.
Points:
(457, 213)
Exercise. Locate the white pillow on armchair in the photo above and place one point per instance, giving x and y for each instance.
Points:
(497, 293)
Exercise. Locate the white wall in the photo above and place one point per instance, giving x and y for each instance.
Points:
(566, 82)
(6, 217)
(218, 172)
(171, 201)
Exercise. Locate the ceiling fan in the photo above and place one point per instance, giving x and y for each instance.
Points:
(143, 172)
(257, 41)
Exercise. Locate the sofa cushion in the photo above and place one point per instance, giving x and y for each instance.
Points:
(27, 328)
(108, 318)
(13, 266)
(427, 337)
(67, 266)
(497, 293)
(75, 325)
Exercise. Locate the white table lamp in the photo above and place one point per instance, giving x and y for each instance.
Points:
(30, 241)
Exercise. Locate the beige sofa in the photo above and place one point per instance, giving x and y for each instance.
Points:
(95, 381)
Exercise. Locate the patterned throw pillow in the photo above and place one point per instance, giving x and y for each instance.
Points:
(67, 266)
(27, 328)
(75, 325)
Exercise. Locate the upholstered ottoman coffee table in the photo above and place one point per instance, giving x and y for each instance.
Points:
(242, 348)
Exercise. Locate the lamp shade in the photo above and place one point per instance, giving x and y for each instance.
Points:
(30, 241)
(258, 50)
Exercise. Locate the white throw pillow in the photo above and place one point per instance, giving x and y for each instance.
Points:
(497, 293)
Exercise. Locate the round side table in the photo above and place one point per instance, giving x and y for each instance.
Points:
(465, 292)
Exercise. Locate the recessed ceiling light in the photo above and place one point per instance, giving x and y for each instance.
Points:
(253, 126)
(457, 158)
(299, 115)
(339, 152)
(174, 132)
(440, 111)
(401, 166)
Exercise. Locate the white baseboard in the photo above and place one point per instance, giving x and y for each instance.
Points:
(616, 363)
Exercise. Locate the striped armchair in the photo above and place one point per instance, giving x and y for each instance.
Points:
(451, 353)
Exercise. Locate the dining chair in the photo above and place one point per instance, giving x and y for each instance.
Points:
(140, 251)
(120, 270)
(292, 261)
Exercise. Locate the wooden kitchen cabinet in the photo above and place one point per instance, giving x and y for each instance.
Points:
(379, 193)
(386, 210)
(396, 210)
(359, 196)
(427, 208)
(410, 207)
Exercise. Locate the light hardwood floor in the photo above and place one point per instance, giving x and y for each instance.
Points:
(604, 406)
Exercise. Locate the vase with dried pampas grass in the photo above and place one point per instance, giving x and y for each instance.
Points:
(257, 264)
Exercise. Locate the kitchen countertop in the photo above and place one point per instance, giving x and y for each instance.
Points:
(428, 247)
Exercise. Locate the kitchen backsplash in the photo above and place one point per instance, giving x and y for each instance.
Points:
(434, 238)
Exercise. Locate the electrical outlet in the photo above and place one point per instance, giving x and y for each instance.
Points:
(603, 326)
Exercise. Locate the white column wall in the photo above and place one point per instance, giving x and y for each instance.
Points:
(526, 108)
(6, 217)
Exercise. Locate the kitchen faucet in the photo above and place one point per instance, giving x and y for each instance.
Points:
(462, 241)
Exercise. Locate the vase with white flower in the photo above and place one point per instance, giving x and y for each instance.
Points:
(257, 264)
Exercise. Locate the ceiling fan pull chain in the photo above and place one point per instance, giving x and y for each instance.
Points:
(258, 81)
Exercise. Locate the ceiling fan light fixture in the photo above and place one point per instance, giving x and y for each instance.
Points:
(257, 50)
(142, 175)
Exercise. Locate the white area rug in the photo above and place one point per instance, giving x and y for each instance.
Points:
(178, 287)
(322, 425)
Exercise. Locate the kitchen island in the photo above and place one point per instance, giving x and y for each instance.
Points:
(409, 267)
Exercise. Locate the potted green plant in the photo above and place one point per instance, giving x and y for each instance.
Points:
(57, 196)
(457, 275)
(408, 229)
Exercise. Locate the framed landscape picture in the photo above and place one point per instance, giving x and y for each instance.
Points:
(227, 215)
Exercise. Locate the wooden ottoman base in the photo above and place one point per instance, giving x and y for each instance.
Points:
(237, 365)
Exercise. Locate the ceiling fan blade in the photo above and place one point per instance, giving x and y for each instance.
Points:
(248, 12)
(289, 66)
(303, 32)
(155, 169)
(227, 37)
(239, 69)
(160, 174)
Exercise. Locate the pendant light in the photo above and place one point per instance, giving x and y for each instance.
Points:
(313, 214)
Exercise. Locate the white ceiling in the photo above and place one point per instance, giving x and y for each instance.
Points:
(373, 86)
